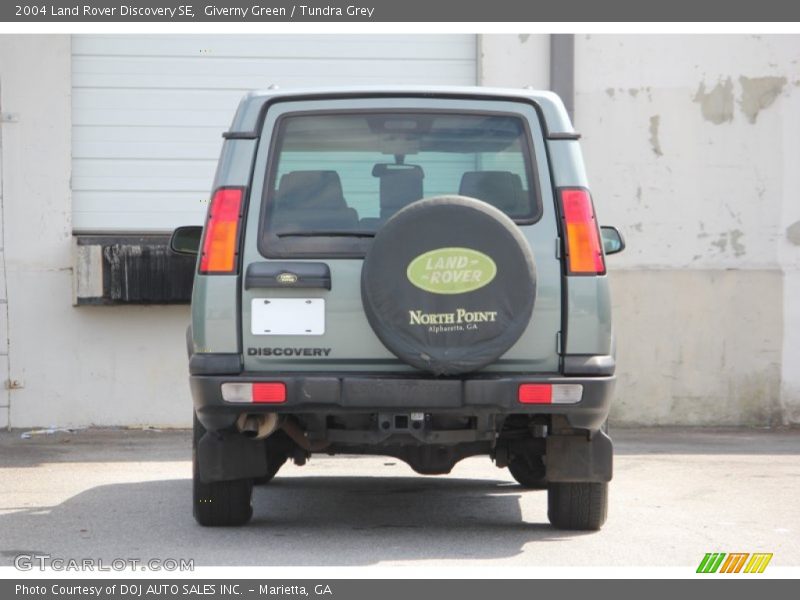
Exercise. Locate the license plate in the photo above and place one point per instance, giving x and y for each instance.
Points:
(287, 316)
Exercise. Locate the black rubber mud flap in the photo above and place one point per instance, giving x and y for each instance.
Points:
(575, 458)
(449, 284)
(226, 456)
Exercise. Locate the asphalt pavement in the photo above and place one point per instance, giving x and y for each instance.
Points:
(676, 494)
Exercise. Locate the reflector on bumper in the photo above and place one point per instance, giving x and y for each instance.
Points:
(254, 393)
(546, 393)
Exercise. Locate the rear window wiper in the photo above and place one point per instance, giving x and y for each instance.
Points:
(325, 233)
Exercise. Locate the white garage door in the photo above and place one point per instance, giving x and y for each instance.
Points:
(148, 111)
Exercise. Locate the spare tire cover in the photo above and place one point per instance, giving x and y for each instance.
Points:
(449, 284)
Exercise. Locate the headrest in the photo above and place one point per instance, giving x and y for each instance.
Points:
(501, 189)
(310, 189)
(399, 186)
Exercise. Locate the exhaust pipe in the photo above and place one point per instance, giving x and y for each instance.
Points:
(257, 427)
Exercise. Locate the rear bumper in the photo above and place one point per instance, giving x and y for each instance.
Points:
(365, 393)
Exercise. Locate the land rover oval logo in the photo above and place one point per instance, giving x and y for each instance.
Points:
(451, 270)
(287, 278)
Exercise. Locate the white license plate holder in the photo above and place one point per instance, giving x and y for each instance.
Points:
(287, 316)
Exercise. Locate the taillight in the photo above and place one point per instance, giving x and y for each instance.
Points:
(221, 241)
(584, 250)
(273, 392)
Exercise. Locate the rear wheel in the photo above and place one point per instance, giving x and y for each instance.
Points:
(219, 503)
(529, 472)
(577, 505)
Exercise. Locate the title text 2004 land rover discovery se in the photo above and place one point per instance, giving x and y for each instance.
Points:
(406, 272)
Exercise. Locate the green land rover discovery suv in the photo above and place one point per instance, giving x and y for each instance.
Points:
(415, 273)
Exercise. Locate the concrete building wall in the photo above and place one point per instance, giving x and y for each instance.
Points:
(521, 60)
(75, 366)
(789, 250)
(692, 150)
(691, 146)
(4, 389)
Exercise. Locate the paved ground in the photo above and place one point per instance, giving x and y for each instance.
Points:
(677, 494)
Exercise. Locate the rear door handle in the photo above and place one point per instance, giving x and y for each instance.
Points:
(288, 275)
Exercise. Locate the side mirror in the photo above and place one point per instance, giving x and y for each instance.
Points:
(186, 240)
(613, 242)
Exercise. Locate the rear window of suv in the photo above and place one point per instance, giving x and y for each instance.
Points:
(334, 178)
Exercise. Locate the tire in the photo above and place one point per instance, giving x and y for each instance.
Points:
(219, 503)
(581, 506)
(530, 476)
(449, 284)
